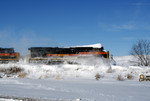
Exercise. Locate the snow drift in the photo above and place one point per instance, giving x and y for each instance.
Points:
(85, 68)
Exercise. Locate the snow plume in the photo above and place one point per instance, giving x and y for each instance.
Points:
(81, 68)
(92, 60)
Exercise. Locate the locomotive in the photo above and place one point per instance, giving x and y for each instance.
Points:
(55, 54)
(59, 55)
(8, 54)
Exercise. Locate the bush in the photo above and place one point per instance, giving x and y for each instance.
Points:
(15, 70)
(129, 76)
(98, 76)
(11, 70)
(120, 78)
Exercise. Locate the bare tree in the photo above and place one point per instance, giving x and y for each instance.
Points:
(141, 50)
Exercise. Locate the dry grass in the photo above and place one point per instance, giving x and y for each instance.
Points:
(120, 78)
(129, 77)
(11, 70)
(98, 76)
(44, 77)
(22, 75)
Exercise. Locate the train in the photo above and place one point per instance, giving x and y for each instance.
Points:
(69, 54)
(55, 54)
(8, 54)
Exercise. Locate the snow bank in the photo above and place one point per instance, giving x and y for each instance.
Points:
(85, 68)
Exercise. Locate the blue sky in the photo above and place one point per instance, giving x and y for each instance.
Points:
(116, 24)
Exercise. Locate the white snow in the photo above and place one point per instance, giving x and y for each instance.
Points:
(73, 89)
(98, 45)
(75, 82)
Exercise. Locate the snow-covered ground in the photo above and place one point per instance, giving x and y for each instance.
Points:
(75, 89)
(75, 82)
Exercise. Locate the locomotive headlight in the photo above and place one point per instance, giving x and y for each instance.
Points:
(141, 76)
